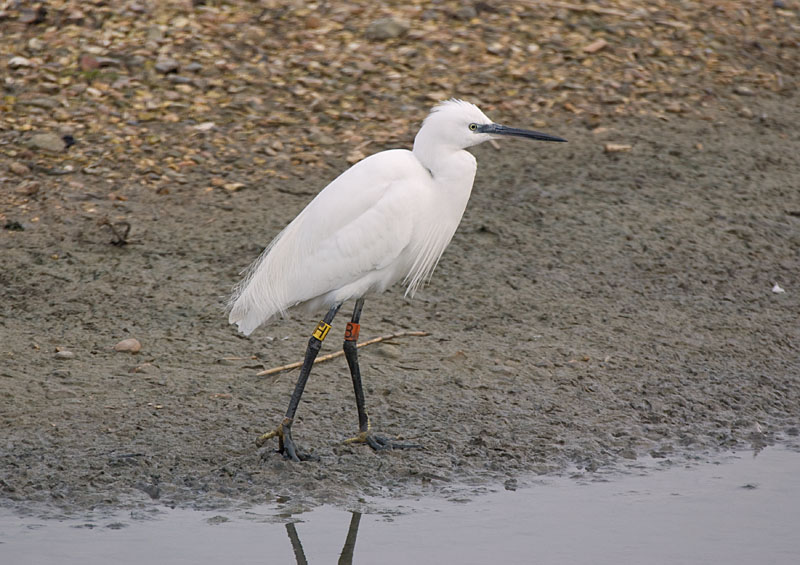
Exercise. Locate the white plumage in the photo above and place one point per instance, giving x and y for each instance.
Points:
(387, 218)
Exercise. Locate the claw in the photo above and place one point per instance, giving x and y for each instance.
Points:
(286, 445)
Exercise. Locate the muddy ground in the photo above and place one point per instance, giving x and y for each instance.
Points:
(592, 308)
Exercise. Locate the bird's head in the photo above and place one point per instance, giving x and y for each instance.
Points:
(460, 124)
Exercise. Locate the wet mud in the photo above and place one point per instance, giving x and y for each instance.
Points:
(592, 308)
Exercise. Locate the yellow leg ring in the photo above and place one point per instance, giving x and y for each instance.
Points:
(322, 330)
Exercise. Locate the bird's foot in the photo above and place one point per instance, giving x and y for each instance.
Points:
(380, 443)
(286, 445)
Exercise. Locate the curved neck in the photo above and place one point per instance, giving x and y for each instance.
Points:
(436, 156)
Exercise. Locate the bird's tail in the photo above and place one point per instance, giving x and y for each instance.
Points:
(254, 301)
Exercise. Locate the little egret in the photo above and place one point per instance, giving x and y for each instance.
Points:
(387, 218)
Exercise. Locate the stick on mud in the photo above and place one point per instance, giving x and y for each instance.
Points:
(340, 353)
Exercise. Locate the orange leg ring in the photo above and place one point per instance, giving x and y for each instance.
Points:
(351, 332)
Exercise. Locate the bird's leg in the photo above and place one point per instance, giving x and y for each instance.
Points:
(283, 432)
(351, 353)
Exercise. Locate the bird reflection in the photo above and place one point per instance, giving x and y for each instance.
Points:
(345, 558)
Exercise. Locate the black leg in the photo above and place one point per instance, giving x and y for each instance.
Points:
(286, 445)
(351, 354)
(346, 557)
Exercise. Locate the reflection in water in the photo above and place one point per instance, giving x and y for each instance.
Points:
(346, 558)
(299, 556)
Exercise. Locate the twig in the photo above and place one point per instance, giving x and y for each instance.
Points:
(340, 353)
(121, 238)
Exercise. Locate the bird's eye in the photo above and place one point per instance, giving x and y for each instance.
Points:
(473, 127)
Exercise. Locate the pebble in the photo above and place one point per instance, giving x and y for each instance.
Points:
(165, 65)
(466, 12)
(595, 46)
(48, 142)
(180, 79)
(27, 188)
(616, 147)
(42, 102)
(19, 168)
(130, 345)
(387, 28)
(64, 355)
(19, 62)
(496, 48)
(88, 62)
(155, 34)
(744, 91)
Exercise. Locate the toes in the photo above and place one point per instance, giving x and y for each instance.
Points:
(289, 452)
(378, 443)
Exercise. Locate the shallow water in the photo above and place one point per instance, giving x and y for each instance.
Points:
(741, 509)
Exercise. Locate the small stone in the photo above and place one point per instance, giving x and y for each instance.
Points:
(355, 156)
(42, 102)
(19, 62)
(466, 12)
(180, 22)
(180, 79)
(130, 345)
(205, 126)
(322, 138)
(745, 112)
(495, 48)
(32, 17)
(616, 147)
(165, 65)
(48, 142)
(155, 34)
(18, 168)
(595, 46)
(387, 28)
(88, 62)
(108, 62)
(28, 188)
(64, 355)
(743, 91)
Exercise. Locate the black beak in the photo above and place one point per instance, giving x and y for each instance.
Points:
(497, 129)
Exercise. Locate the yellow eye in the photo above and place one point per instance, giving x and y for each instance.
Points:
(473, 127)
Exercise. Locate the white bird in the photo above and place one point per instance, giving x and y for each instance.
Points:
(387, 218)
